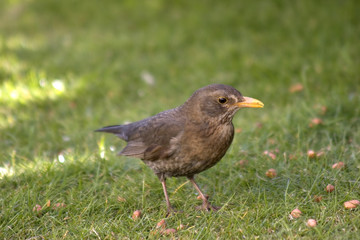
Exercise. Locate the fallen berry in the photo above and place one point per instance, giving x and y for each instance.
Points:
(351, 204)
(161, 224)
(37, 208)
(311, 154)
(136, 215)
(311, 223)
(270, 154)
(330, 188)
(315, 121)
(296, 213)
(271, 173)
(59, 205)
(338, 165)
(356, 202)
(169, 231)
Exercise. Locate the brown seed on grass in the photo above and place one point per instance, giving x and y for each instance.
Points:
(37, 208)
(317, 198)
(270, 154)
(271, 173)
(169, 231)
(59, 205)
(315, 122)
(338, 165)
(311, 153)
(311, 223)
(351, 204)
(330, 188)
(136, 215)
(296, 213)
(161, 224)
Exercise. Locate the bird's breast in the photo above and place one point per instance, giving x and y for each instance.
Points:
(210, 143)
(197, 149)
(202, 150)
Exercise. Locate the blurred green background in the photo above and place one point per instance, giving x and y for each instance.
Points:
(100, 53)
(69, 67)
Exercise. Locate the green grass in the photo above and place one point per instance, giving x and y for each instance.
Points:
(69, 67)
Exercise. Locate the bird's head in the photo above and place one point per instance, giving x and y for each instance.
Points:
(220, 101)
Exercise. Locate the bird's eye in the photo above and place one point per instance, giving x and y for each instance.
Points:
(222, 100)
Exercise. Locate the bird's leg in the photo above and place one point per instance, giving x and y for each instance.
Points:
(206, 204)
(170, 209)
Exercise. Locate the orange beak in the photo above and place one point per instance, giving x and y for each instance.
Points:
(250, 103)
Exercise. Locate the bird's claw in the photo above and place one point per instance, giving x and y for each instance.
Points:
(172, 211)
(207, 207)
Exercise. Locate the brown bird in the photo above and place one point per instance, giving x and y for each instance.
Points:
(188, 139)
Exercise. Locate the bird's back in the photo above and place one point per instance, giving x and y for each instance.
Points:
(150, 138)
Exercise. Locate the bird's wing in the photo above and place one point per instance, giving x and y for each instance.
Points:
(166, 145)
(154, 138)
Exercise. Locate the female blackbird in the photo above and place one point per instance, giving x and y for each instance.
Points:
(188, 139)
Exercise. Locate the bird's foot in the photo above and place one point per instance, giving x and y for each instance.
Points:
(172, 211)
(206, 206)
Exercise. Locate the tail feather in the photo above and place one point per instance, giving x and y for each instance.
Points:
(118, 130)
(110, 129)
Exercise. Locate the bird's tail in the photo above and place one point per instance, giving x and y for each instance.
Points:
(118, 130)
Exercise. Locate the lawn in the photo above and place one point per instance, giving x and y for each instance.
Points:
(70, 67)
